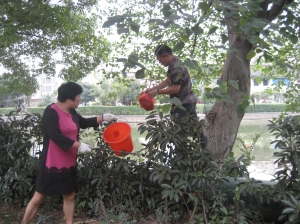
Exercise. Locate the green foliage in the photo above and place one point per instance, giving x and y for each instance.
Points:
(117, 110)
(242, 107)
(18, 164)
(47, 100)
(36, 36)
(287, 139)
(173, 176)
(286, 131)
(292, 97)
(247, 149)
(87, 94)
(192, 28)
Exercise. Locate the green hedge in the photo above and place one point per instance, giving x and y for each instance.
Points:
(89, 110)
(136, 110)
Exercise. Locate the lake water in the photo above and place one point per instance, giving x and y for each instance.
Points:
(262, 166)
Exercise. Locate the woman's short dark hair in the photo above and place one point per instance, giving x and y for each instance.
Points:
(69, 91)
(162, 50)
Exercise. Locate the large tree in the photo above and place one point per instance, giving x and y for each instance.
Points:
(217, 39)
(43, 36)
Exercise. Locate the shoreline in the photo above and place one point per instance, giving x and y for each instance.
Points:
(247, 117)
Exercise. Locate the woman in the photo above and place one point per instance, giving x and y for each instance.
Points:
(57, 171)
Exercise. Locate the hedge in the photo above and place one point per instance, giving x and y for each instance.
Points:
(136, 110)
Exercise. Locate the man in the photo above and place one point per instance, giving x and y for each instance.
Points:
(177, 83)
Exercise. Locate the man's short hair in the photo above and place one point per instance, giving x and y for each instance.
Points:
(162, 50)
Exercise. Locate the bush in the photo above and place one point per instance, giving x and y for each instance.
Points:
(173, 176)
(18, 168)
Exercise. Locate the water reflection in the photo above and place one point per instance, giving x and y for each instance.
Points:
(262, 167)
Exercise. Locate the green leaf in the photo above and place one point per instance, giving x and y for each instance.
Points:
(243, 21)
(175, 101)
(251, 54)
(293, 38)
(224, 210)
(123, 30)
(166, 10)
(178, 64)
(140, 74)
(108, 23)
(227, 98)
(133, 58)
(197, 30)
(179, 46)
(191, 63)
(157, 21)
(176, 197)
(167, 186)
(112, 20)
(122, 60)
(188, 32)
(240, 110)
(212, 30)
(234, 84)
(165, 193)
(135, 27)
(293, 217)
(288, 203)
(253, 39)
(289, 210)
(166, 108)
(224, 38)
(203, 6)
(157, 37)
(129, 65)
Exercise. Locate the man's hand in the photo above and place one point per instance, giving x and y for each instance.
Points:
(153, 93)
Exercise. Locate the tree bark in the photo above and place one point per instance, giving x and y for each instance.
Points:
(222, 122)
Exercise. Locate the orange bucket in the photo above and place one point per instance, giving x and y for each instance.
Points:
(146, 101)
(118, 137)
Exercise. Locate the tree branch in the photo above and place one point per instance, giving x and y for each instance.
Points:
(276, 9)
(33, 35)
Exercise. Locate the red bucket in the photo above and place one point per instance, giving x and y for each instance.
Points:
(146, 101)
(118, 137)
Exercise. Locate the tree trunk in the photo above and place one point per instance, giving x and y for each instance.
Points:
(222, 122)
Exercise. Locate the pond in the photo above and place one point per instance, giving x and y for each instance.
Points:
(262, 166)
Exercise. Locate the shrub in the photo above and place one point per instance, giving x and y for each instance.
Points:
(173, 176)
(18, 168)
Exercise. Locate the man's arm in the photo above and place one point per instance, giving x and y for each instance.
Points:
(160, 89)
(161, 85)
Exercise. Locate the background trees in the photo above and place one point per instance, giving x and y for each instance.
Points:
(47, 37)
(216, 40)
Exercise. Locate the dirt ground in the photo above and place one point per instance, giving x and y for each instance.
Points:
(15, 215)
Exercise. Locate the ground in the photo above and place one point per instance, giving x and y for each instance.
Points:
(15, 215)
